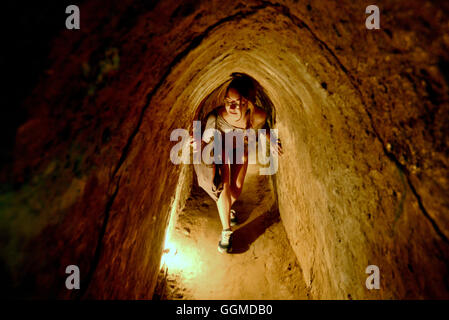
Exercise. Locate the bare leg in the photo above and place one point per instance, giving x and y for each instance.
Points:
(238, 173)
(224, 200)
(233, 176)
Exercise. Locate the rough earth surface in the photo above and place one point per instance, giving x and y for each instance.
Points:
(363, 116)
(262, 264)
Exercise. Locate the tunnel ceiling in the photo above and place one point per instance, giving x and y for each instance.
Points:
(362, 116)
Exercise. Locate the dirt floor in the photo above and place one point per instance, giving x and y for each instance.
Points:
(261, 266)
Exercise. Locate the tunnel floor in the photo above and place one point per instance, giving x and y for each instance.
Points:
(261, 266)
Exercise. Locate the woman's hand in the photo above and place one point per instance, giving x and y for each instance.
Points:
(194, 143)
(276, 147)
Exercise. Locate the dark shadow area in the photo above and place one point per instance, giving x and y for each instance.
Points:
(28, 32)
(243, 237)
(242, 215)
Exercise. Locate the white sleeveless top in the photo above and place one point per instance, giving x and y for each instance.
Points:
(224, 126)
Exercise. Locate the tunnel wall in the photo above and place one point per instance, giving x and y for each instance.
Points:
(362, 116)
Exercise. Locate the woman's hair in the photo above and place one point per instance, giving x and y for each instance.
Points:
(244, 85)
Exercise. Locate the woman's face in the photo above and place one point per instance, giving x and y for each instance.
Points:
(236, 105)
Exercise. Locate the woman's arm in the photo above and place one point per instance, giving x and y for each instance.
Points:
(259, 121)
(210, 123)
(274, 146)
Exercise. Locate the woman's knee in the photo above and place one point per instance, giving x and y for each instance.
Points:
(243, 157)
(226, 186)
(239, 177)
(236, 186)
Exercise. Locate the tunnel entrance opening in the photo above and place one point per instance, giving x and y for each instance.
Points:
(262, 264)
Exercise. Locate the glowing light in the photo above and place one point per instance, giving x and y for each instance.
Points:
(179, 256)
(176, 260)
(169, 248)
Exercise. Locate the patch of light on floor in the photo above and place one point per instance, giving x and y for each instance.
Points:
(178, 257)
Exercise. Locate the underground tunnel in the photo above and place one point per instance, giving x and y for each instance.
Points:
(86, 177)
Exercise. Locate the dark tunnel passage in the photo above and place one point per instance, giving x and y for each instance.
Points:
(191, 268)
(364, 178)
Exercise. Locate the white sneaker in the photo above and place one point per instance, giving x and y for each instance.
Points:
(225, 243)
